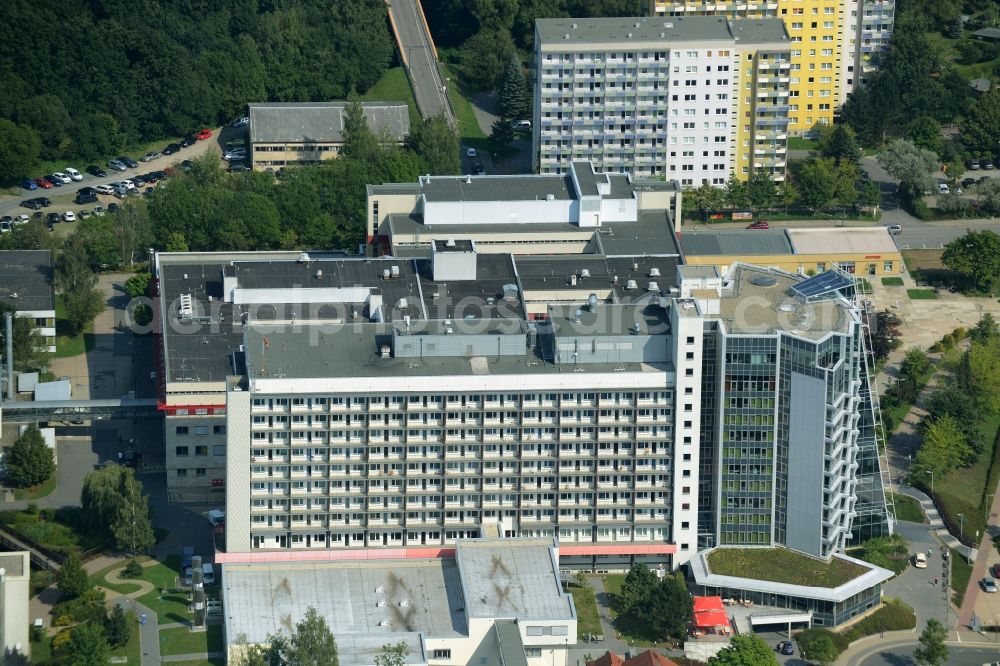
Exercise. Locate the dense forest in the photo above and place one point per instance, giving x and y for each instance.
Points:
(86, 78)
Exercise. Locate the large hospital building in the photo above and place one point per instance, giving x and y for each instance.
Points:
(632, 407)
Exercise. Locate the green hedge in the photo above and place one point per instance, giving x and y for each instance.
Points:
(893, 616)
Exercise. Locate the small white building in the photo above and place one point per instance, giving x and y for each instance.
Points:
(26, 283)
(14, 574)
(497, 601)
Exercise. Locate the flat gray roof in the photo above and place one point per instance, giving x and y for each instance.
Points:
(736, 242)
(512, 578)
(13, 563)
(26, 279)
(380, 598)
(625, 30)
(319, 122)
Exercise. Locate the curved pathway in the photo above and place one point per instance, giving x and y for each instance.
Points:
(937, 524)
(145, 587)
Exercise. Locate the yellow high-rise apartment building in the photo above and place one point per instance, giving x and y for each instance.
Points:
(835, 43)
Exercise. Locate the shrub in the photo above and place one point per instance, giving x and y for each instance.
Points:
(893, 616)
(948, 342)
(32, 509)
(810, 636)
(132, 570)
(60, 640)
(936, 347)
(63, 621)
(959, 334)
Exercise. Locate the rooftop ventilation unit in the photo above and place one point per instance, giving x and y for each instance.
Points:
(380, 604)
(654, 272)
(385, 351)
(186, 307)
(576, 316)
(304, 258)
(592, 302)
(404, 603)
(385, 274)
(653, 286)
(450, 242)
(468, 180)
(764, 280)
(550, 197)
(384, 623)
(631, 284)
(319, 274)
(395, 272)
(572, 280)
(585, 272)
(403, 303)
(637, 328)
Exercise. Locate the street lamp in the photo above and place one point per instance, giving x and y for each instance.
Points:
(931, 472)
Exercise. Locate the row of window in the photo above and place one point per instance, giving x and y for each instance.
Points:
(200, 430)
(217, 450)
(514, 400)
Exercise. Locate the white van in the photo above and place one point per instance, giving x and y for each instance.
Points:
(523, 125)
(894, 229)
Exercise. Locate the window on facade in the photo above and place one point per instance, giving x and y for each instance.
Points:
(181, 451)
(181, 430)
(441, 654)
(182, 472)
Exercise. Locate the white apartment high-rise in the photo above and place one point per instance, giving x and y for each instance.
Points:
(689, 98)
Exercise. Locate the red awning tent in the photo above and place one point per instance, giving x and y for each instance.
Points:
(711, 619)
(707, 604)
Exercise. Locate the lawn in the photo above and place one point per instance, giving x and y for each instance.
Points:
(70, 345)
(184, 641)
(780, 565)
(964, 490)
(173, 605)
(892, 282)
(41, 652)
(43, 489)
(469, 131)
(588, 620)
(122, 585)
(893, 413)
(631, 629)
(922, 294)
(801, 143)
(961, 572)
(395, 87)
(907, 508)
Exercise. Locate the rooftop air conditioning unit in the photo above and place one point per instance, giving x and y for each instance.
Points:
(631, 284)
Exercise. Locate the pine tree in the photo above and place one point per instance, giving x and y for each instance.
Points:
(30, 459)
(513, 100)
(117, 626)
(502, 132)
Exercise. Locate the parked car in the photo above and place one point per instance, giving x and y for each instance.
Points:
(241, 122)
(104, 189)
(21, 219)
(983, 179)
(29, 185)
(128, 161)
(31, 204)
(943, 188)
(69, 216)
(995, 570)
(54, 180)
(989, 584)
(186, 165)
(84, 214)
(6, 226)
(149, 157)
(968, 182)
(73, 174)
(53, 218)
(471, 152)
(151, 177)
(235, 154)
(62, 177)
(237, 167)
(96, 171)
(972, 164)
(171, 148)
(117, 165)
(477, 168)
(188, 140)
(85, 198)
(785, 647)
(113, 207)
(894, 229)
(138, 179)
(99, 211)
(920, 560)
(43, 183)
(203, 134)
(759, 224)
(988, 164)
(522, 125)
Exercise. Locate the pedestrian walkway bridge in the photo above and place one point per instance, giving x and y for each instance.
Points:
(78, 410)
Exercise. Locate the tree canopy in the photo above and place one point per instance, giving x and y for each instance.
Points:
(115, 509)
(913, 167)
(121, 77)
(932, 650)
(27, 341)
(30, 460)
(748, 650)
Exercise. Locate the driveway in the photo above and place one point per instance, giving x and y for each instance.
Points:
(428, 89)
(922, 588)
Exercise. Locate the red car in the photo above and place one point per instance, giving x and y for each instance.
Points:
(43, 183)
(760, 224)
(995, 570)
(203, 134)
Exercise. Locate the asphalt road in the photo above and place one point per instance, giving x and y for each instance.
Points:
(62, 197)
(427, 83)
(900, 653)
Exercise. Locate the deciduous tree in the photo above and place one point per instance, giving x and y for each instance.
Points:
(981, 128)
(437, 142)
(19, 151)
(636, 589)
(73, 581)
(976, 255)
(817, 183)
(118, 626)
(312, 644)
(748, 650)
(913, 167)
(932, 650)
(392, 655)
(669, 608)
(27, 341)
(88, 645)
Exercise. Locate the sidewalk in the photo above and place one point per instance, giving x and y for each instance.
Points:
(982, 605)
(937, 524)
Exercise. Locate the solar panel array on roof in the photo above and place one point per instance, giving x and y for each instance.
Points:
(824, 284)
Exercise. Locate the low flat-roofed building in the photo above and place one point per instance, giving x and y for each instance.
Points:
(858, 590)
(289, 133)
(867, 251)
(491, 601)
(14, 619)
(580, 211)
(26, 284)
